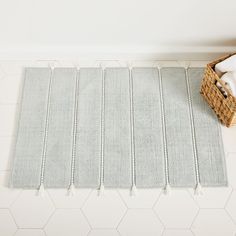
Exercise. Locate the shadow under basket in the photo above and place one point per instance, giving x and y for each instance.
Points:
(223, 105)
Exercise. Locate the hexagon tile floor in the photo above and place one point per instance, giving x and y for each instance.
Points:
(182, 213)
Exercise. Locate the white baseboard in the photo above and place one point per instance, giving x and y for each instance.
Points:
(112, 53)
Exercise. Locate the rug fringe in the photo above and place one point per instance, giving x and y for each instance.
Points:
(198, 189)
(167, 189)
(41, 191)
(101, 190)
(133, 191)
(71, 190)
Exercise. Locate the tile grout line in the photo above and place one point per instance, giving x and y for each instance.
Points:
(121, 219)
(229, 215)
(120, 196)
(49, 219)
(196, 163)
(10, 212)
(228, 199)
(163, 119)
(155, 202)
(51, 198)
(225, 206)
(158, 218)
(13, 202)
(85, 216)
(45, 234)
(195, 217)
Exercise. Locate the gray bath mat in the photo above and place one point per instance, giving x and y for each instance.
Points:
(116, 128)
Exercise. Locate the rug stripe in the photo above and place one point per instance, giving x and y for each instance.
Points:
(164, 139)
(117, 150)
(42, 172)
(60, 128)
(88, 139)
(132, 144)
(208, 136)
(75, 123)
(29, 146)
(195, 154)
(178, 128)
(149, 153)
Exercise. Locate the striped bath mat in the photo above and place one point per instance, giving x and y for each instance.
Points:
(118, 128)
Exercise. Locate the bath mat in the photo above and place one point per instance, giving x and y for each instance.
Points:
(116, 128)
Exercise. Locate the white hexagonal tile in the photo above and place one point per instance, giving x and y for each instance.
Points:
(213, 222)
(7, 224)
(7, 195)
(7, 119)
(177, 232)
(104, 211)
(140, 222)
(2, 73)
(229, 137)
(183, 63)
(145, 198)
(6, 151)
(13, 67)
(62, 200)
(198, 63)
(67, 222)
(69, 63)
(168, 63)
(45, 63)
(31, 211)
(11, 87)
(231, 205)
(212, 197)
(103, 232)
(30, 232)
(231, 163)
(176, 210)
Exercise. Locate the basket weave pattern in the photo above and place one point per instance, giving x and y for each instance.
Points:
(224, 107)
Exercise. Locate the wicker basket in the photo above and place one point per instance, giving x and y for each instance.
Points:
(224, 107)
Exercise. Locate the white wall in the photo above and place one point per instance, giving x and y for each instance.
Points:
(57, 27)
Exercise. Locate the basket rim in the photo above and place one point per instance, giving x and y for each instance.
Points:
(211, 65)
(222, 58)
